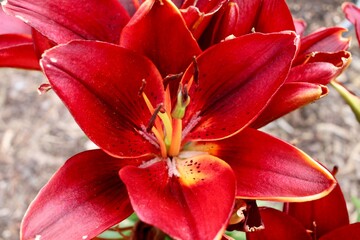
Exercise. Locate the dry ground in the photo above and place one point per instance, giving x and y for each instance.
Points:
(37, 134)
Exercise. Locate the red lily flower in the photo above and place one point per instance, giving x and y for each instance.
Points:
(352, 13)
(183, 158)
(218, 19)
(325, 218)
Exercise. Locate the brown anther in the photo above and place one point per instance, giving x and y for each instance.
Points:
(171, 77)
(196, 71)
(44, 88)
(142, 87)
(159, 108)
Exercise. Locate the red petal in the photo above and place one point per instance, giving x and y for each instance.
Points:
(278, 226)
(291, 96)
(270, 169)
(82, 199)
(236, 80)
(327, 213)
(274, 16)
(300, 26)
(9, 24)
(41, 43)
(352, 13)
(239, 17)
(320, 68)
(346, 232)
(196, 205)
(99, 83)
(62, 21)
(158, 31)
(325, 40)
(18, 51)
(223, 24)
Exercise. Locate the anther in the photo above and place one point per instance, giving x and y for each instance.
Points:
(44, 88)
(151, 123)
(142, 87)
(171, 77)
(196, 71)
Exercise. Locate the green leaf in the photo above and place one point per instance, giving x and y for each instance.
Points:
(356, 202)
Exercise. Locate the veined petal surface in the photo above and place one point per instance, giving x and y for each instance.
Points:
(267, 168)
(236, 80)
(82, 199)
(274, 16)
(291, 96)
(62, 21)
(100, 84)
(323, 40)
(194, 203)
(158, 31)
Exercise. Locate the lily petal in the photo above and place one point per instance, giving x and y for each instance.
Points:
(10, 24)
(291, 96)
(18, 51)
(274, 16)
(323, 215)
(346, 232)
(240, 17)
(300, 26)
(270, 169)
(352, 13)
(82, 199)
(158, 31)
(198, 199)
(236, 80)
(324, 40)
(62, 21)
(304, 85)
(278, 225)
(103, 96)
(321, 67)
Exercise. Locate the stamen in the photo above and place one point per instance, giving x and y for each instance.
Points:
(161, 141)
(196, 71)
(143, 85)
(44, 88)
(308, 57)
(153, 117)
(198, 22)
(168, 128)
(152, 110)
(171, 77)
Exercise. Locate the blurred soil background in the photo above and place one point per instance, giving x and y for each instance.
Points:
(37, 134)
